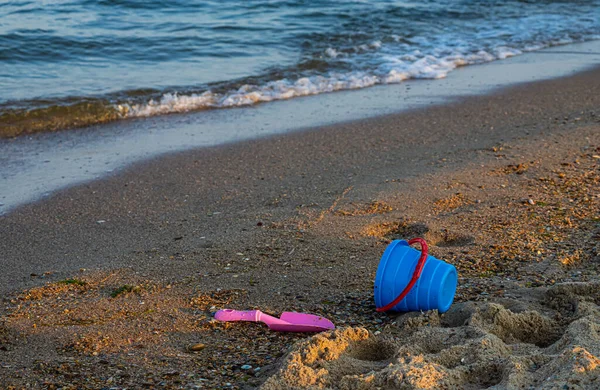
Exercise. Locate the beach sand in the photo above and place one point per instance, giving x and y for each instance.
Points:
(110, 284)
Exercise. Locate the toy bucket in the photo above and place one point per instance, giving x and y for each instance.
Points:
(409, 280)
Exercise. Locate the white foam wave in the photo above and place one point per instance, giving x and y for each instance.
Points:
(249, 94)
(331, 52)
(393, 68)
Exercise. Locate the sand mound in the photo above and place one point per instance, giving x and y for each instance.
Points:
(544, 338)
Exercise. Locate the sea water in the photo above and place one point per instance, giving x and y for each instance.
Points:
(66, 63)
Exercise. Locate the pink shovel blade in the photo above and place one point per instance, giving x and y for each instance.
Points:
(301, 322)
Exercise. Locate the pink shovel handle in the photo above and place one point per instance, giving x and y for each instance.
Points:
(238, 315)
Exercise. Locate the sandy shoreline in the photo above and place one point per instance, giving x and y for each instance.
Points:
(73, 157)
(298, 222)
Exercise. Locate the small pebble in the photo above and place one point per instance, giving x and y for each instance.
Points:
(246, 367)
(531, 201)
(197, 347)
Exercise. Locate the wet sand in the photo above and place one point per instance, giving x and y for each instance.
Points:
(503, 186)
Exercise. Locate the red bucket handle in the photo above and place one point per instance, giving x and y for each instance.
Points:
(415, 277)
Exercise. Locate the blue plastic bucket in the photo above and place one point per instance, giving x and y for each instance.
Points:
(435, 288)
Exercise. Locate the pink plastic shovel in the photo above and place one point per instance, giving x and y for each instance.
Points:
(289, 321)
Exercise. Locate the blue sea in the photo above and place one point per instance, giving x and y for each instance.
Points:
(66, 63)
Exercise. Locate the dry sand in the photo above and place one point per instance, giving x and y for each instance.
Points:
(505, 187)
(547, 338)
